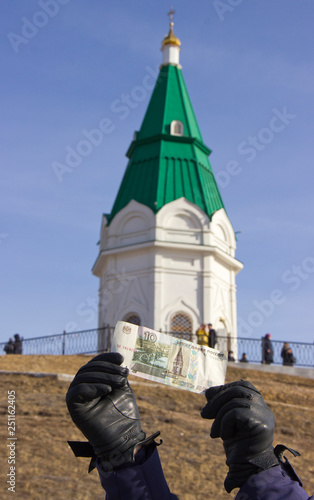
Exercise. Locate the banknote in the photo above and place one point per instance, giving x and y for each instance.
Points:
(167, 359)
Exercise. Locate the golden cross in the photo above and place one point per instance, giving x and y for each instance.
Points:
(170, 14)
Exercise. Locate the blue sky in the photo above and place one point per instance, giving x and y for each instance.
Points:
(67, 68)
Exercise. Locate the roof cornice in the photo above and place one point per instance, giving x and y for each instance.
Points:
(169, 138)
(215, 251)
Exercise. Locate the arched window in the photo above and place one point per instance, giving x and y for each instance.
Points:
(176, 128)
(181, 325)
(133, 318)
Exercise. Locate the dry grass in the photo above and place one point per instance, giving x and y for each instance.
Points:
(193, 463)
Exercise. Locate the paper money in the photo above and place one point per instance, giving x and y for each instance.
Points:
(169, 360)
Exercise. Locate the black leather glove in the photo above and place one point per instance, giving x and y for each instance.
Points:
(246, 425)
(102, 405)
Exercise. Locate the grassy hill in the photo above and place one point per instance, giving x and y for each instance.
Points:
(194, 464)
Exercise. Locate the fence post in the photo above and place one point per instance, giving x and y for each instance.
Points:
(63, 342)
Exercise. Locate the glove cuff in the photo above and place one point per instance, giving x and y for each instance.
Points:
(265, 460)
(239, 473)
(120, 458)
(116, 459)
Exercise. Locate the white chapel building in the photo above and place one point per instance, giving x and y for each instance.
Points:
(167, 249)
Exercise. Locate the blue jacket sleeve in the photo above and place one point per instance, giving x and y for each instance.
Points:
(142, 481)
(277, 483)
(145, 481)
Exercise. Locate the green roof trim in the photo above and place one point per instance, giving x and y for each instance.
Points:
(167, 137)
(164, 167)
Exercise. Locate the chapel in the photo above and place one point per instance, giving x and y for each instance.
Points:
(167, 248)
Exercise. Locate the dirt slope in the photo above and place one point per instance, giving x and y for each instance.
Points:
(193, 463)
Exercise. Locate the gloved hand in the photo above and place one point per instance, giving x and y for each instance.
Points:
(246, 425)
(102, 405)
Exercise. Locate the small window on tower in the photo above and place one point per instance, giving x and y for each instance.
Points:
(181, 326)
(176, 128)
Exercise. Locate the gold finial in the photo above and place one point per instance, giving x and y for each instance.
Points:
(171, 39)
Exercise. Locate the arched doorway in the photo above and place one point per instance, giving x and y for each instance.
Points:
(133, 318)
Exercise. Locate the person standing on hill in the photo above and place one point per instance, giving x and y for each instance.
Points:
(202, 335)
(9, 347)
(268, 350)
(231, 356)
(17, 344)
(287, 355)
(212, 336)
(244, 358)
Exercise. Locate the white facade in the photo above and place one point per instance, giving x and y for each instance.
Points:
(176, 262)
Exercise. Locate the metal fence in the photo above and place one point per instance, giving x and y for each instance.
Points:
(81, 342)
(99, 340)
(302, 351)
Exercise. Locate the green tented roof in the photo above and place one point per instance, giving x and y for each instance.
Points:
(164, 167)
